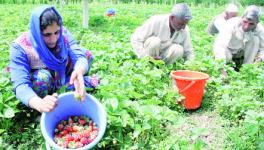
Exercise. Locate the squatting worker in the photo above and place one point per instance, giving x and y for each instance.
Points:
(219, 22)
(45, 58)
(243, 39)
(165, 36)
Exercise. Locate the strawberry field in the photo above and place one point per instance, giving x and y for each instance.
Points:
(142, 112)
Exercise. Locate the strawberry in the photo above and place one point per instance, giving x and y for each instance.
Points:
(81, 121)
(60, 127)
(75, 128)
(69, 128)
(69, 138)
(91, 123)
(86, 133)
(95, 128)
(64, 132)
(84, 141)
(79, 144)
(77, 137)
(89, 140)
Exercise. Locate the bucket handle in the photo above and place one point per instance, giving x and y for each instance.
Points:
(187, 87)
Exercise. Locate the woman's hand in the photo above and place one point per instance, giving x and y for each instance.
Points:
(78, 81)
(47, 104)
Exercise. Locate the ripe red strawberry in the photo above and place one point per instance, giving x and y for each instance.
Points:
(86, 133)
(64, 132)
(58, 135)
(82, 122)
(60, 127)
(84, 141)
(69, 128)
(95, 128)
(89, 140)
(69, 137)
(91, 123)
(77, 137)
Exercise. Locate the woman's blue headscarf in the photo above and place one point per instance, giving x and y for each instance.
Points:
(57, 64)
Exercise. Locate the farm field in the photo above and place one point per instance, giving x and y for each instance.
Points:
(137, 94)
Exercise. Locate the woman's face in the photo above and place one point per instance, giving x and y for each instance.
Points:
(51, 35)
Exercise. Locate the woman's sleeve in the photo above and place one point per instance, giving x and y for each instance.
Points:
(20, 74)
(77, 53)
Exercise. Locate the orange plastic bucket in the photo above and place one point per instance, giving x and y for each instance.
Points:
(191, 85)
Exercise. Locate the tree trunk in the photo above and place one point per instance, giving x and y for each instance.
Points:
(85, 14)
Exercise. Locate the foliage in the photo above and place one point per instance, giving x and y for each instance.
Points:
(167, 2)
(137, 93)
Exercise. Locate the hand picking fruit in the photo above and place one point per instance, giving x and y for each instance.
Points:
(77, 96)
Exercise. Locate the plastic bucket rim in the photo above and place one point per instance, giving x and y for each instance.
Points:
(206, 76)
(90, 145)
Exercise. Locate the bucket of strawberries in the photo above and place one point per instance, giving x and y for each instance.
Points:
(74, 124)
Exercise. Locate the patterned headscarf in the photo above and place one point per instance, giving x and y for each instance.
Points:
(57, 64)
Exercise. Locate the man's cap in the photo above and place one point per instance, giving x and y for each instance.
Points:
(252, 12)
(181, 11)
(231, 8)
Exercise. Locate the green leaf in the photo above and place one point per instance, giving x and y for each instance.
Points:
(146, 126)
(114, 103)
(1, 131)
(198, 145)
(252, 129)
(9, 113)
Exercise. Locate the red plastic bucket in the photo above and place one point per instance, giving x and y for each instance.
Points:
(191, 85)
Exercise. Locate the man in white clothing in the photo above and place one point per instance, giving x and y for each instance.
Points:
(165, 37)
(220, 21)
(243, 40)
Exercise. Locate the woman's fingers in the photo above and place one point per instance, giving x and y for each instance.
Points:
(82, 91)
(50, 102)
(79, 86)
(73, 77)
